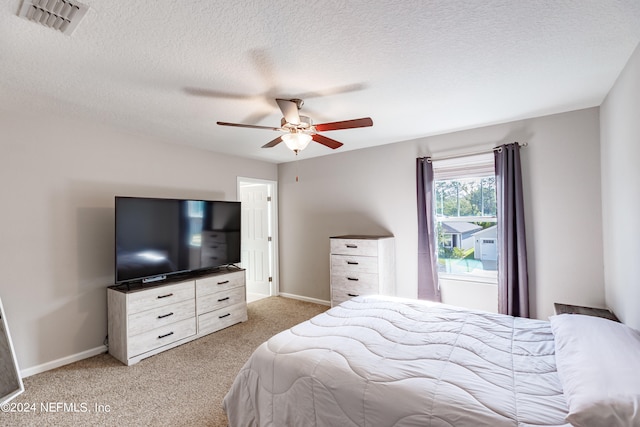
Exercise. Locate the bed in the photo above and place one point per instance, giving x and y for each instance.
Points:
(382, 361)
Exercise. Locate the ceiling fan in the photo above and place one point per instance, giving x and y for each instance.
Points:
(299, 130)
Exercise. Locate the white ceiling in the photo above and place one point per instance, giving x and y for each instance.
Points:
(171, 69)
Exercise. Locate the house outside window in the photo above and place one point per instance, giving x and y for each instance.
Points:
(465, 204)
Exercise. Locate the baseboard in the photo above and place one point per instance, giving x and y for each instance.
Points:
(301, 298)
(62, 361)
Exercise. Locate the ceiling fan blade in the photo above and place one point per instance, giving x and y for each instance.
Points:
(257, 117)
(217, 94)
(273, 143)
(332, 91)
(345, 124)
(331, 143)
(240, 125)
(289, 110)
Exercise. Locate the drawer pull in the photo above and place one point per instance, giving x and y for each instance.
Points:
(352, 246)
(224, 315)
(353, 295)
(354, 279)
(165, 335)
(222, 299)
(165, 296)
(222, 283)
(165, 315)
(352, 262)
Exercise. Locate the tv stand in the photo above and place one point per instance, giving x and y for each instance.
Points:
(149, 318)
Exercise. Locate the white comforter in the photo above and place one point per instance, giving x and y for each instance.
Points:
(375, 361)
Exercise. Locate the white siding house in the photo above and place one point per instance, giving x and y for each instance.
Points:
(459, 234)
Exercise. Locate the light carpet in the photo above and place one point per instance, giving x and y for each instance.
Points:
(183, 386)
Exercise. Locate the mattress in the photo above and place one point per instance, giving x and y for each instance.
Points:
(380, 361)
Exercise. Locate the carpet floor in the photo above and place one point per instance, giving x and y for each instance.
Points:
(183, 386)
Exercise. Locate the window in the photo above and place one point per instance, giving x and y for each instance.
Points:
(465, 205)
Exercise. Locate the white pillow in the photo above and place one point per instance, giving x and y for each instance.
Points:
(598, 362)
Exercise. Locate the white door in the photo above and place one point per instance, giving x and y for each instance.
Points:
(257, 230)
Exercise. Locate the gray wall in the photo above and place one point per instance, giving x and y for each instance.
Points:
(59, 178)
(373, 191)
(620, 141)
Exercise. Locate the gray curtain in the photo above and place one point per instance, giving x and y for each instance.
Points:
(513, 278)
(427, 262)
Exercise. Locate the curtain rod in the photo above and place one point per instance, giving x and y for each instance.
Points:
(430, 159)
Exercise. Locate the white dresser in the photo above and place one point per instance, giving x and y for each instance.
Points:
(362, 265)
(147, 319)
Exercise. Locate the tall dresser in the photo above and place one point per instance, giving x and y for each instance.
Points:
(362, 265)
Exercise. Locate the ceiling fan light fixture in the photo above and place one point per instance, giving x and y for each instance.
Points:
(297, 141)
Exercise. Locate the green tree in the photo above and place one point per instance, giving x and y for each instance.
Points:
(468, 197)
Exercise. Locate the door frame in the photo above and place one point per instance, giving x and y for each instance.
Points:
(274, 288)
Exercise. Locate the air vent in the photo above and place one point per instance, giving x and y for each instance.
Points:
(61, 15)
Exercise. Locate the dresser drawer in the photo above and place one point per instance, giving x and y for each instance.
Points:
(222, 299)
(353, 264)
(164, 335)
(346, 287)
(355, 288)
(151, 319)
(356, 280)
(340, 294)
(219, 319)
(362, 247)
(219, 283)
(160, 296)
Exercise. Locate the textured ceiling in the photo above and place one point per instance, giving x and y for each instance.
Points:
(171, 69)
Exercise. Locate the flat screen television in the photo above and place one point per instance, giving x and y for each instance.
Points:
(158, 238)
